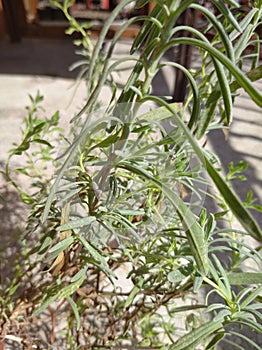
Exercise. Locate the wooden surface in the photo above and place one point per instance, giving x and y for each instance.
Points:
(2, 20)
(17, 25)
(15, 18)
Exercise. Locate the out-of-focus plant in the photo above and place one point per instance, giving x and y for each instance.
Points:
(128, 195)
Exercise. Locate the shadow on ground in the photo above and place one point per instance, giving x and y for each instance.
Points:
(51, 57)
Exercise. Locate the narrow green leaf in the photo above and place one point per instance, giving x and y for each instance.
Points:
(75, 311)
(22, 171)
(210, 225)
(181, 273)
(243, 81)
(108, 141)
(102, 36)
(252, 296)
(227, 13)
(71, 288)
(27, 199)
(220, 29)
(222, 314)
(186, 308)
(253, 307)
(13, 289)
(242, 278)
(79, 275)
(195, 337)
(196, 106)
(208, 113)
(176, 276)
(215, 306)
(211, 345)
(141, 3)
(46, 243)
(234, 203)
(43, 142)
(94, 252)
(225, 90)
(77, 223)
(243, 293)
(144, 31)
(52, 256)
(39, 310)
(62, 245)
(36, 129)
(131, 212)
(254, 75)
(134, 292)
(160, 113)
(198, 281)
(249, 16)
(223, 278)
(242, 44)
(24, 146)
(125, 222)
(253, 311)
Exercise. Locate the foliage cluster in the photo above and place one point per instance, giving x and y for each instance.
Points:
(128, 196)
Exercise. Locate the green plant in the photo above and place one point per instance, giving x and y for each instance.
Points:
(129, 194)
